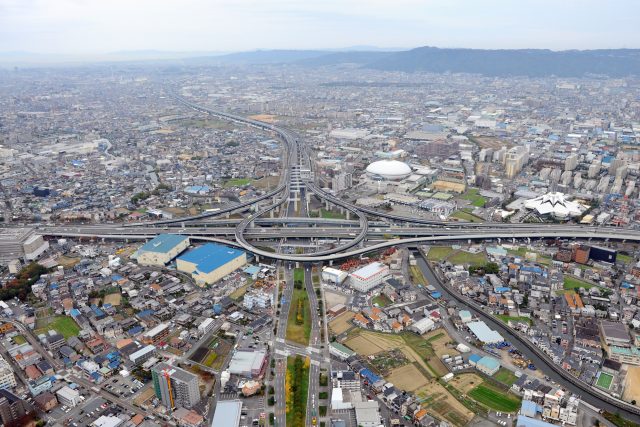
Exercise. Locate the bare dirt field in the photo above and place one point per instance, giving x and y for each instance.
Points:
(439, 340)
(443, 404)
(632, 384)
(342, 322)
(333, 298)
(113, 299)
(466, 382)
(407, 377)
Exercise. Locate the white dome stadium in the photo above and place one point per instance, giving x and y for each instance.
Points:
(389, 169)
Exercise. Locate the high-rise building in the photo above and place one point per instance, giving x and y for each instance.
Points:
(7, 379)
(175, 387)
(514, 161)
(594, 169)
(571, 162)
(12, 408)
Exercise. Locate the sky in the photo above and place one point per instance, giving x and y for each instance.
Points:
(104, 26)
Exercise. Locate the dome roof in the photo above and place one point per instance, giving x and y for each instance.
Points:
(389, 169)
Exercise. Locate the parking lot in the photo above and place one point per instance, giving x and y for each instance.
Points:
(124, 387)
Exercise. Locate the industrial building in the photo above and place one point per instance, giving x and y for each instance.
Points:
(211, 262)
(483, 333)
(175, 387)
(248, 363)
(488, 365)
(340, 351)
(21, 244)
(334, 275)
(160, 250)
(369, 276)
(228, 413)
(422, 326)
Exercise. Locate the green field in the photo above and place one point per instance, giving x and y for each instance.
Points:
(505, 376)
(295, 332)
(604, 380)
(506, 318)
(19, 339)
(381, 300)
(298, 275)
(324, 213)
(494, 398)
(62, 324)
(296, 389)
(573, 283)
(462, 257)
(438, 253)
(466, 216)
(237, 182)
(626, 259)
(211, 357)
(474, 197)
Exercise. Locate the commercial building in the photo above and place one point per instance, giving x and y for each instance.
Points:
(228, 413)
(367, 413)
(175, 387)
(156, 334)
(340, 351)
(142, 355)
(369, 276)
(392, 170)
(68, 396)
(210, 262)
(12, 408)
(7, 379)
(248, 363)
(334, 275)
(162, 249)
(20, 243)
(483, 333)
(107, 421)
(488, 365)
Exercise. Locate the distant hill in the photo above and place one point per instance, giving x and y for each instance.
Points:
(268, 56)
(523, 62)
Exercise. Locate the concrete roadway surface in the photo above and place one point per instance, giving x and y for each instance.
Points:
(279, 349)
(315, 342)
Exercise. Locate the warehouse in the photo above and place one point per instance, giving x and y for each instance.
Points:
(483, 333)
(248, 363)
(340, 351)
(211, 262)
(488, 365)
(333, 275)
(160, 250)
(227, 413)
(369, 276)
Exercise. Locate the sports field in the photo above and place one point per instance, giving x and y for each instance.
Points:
(495, 399)
(604, 380)
(505, 376)
(632, 384)
(64, 325)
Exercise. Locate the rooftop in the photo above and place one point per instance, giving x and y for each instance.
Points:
(163, 243)
(211, 256)
(227, 414)
(368, 270)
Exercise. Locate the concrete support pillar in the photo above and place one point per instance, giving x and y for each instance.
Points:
(297, 264)
(257, 258)
(330, 262)
(326, 205)
(348, 215)
(271, 213)
(308, 197)
(226, 215)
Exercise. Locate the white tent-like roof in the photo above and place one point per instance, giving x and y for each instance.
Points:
(556, 205)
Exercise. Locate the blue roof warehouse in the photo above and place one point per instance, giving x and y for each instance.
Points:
(210, 262)
(160, 250)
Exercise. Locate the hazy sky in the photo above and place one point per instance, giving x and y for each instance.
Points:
(99, 26)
